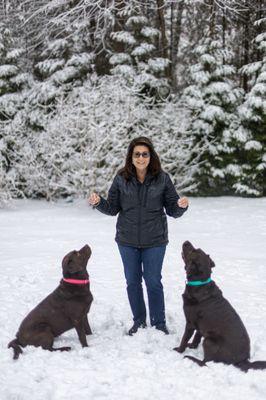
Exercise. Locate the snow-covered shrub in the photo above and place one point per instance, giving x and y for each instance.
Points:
(92, 129)
(84, 141)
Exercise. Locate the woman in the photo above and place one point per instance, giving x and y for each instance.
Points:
(140, 193)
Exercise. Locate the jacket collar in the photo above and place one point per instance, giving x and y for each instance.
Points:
(147, 180)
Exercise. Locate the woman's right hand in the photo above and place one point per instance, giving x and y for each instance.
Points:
(94, 199)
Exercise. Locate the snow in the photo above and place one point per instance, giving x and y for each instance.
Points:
(65, 75)
(49, 66)
(251, 68)
(149, 32)
(218, 88)
(234, 169)
(253, 145)
(55, 47)
(35, 235)
(244, 189)
(212, 112)
(8, 70)
(81, 59)
(119, 58)
(124, 70)
(143, 49)
(14, 54)
(136, 20)
(158, 64)
(123, 37)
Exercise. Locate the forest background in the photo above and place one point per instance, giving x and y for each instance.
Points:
(80, 78)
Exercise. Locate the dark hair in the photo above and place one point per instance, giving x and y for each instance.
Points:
(154, 167)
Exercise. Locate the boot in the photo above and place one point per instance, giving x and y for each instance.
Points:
(136, 326)
(163, 328)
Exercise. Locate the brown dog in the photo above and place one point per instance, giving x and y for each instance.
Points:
(209, 315)
(65, 308)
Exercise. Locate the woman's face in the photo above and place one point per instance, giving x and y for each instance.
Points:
(141, 158)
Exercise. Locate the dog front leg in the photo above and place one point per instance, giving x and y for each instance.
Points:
(87, 325)
(79, 326)
(189, 330)
(196, 341)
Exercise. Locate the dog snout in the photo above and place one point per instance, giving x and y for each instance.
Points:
(85, 249)
(187, 245)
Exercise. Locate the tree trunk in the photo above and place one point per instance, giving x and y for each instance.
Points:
(259, 30)
(176, 27)
(161, 22)
(212, 18)
(224, 25)
(102, 67)
(246, 39)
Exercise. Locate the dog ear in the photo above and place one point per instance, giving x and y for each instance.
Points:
(212, 263)
(191, 268)
(65, 260)
(70, 264)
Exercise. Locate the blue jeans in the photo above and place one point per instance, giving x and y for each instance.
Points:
(146, 263)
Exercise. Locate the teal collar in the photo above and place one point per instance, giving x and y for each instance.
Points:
(198, 283)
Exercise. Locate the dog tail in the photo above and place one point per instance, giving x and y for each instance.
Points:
(246, 365)
(197, 361)
(16, 347)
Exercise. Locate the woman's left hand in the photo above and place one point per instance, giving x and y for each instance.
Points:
(183, 202)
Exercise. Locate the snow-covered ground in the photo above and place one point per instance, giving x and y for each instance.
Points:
(34, 237)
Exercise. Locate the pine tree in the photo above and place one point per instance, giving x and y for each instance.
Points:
(13, 84)
(136, 60)
(251, 129)
(212, 99)
(60, 68)
(61, 64)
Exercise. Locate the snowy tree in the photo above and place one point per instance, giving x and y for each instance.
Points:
(13, 84)
(168, 123)
(251, 128)
(12, 78)
(212, 99)
(137, 61)
(69, 131)
(59, 69)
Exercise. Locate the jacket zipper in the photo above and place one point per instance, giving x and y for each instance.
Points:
(142, 196)
(139, 219)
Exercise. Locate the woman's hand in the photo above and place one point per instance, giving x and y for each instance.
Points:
(183, 202)
(94, 199)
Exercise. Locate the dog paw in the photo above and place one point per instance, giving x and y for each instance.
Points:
(179, 349)
(192, 346)
(66, 348)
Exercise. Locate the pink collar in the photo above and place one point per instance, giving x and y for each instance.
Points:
(77, 281)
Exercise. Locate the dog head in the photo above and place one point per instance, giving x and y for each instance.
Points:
(198, 265)
(75, 263)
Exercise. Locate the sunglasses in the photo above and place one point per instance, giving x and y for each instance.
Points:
(145, 154)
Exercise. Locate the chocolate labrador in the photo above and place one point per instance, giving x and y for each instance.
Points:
(209, 315)
(65, 308)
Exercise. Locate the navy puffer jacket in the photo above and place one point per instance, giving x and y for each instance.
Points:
(141, 206)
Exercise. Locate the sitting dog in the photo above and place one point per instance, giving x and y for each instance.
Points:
(65, 308)
(209, 315)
